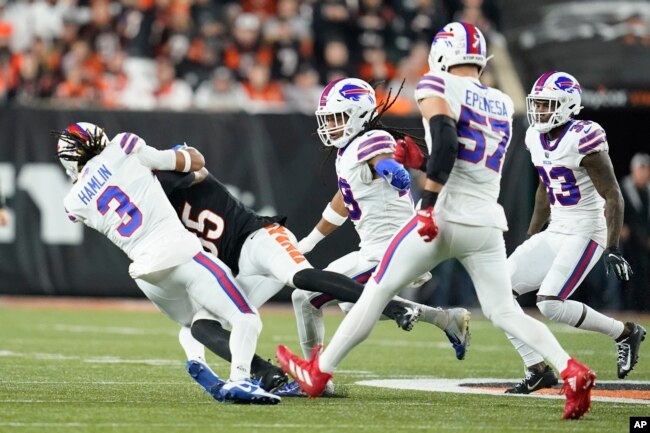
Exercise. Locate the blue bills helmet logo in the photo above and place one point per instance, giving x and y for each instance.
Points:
(354, 92)
(567, 84)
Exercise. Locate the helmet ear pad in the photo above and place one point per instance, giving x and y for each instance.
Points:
(345, 107)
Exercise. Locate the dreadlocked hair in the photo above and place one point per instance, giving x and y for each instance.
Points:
(81, 149)
(376, 123)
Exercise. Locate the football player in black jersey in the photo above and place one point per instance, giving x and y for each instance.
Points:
(262, 254)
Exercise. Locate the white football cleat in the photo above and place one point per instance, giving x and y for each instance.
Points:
(457, 331)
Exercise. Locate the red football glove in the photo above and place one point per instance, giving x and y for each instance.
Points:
(408, 153)
(428, 228)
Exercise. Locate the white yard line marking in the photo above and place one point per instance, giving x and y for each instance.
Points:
(92, 359)
(455, 386)
(83, 329)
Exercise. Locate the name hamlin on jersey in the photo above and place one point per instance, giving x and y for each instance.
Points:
(92, 187)
(491, 106)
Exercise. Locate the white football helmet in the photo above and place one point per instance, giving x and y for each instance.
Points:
(561, 92)
(73, 144)
(345, 106)
(458, 44)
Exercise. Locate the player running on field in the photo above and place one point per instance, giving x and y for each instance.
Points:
(374, 192)
(579, 192)
(115, 193)
(468, 127)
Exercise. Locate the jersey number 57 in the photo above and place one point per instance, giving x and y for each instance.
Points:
(471, 126)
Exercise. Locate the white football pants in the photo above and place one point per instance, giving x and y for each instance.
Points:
(481, 250)
(206, 284)
(555, 264)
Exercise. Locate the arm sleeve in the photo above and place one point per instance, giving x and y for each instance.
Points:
(444, 148)
(172, 180)
(394, 173)
(150, 157)
(157, 159)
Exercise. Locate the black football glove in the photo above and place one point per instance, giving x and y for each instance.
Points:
(615, 263)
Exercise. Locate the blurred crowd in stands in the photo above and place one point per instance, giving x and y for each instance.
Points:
(222, 55)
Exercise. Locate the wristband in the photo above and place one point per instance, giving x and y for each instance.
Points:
(333, 217)
(429, 199)
(188, 160)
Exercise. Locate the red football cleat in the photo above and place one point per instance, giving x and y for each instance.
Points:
(578, 381)
(306, 373)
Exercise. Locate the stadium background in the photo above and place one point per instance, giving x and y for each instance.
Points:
(174, 71)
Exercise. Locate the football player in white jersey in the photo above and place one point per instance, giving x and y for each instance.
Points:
(115, 192)
(579, 192)
(467, 132)
(374, 192)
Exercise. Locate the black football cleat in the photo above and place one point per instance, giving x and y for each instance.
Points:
(534, 381)
(628, 350)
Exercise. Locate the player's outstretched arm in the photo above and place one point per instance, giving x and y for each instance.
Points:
(541, 212)
(600, 170)
(181, 158)
(333, 216)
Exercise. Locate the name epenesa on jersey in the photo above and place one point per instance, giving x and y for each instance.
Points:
(491, 106)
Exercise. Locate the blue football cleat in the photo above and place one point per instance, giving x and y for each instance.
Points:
(244, 391)
(291, 389)
(203, 375)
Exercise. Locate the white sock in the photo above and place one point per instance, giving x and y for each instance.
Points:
(355, 328)
(243, 340)
(311, 328)
(433, 315)
(570, 312)
(534, 333)
(193, 349)
(529, 356)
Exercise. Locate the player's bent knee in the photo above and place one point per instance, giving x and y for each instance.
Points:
(502, 316)
(551, 309)
(250, 321)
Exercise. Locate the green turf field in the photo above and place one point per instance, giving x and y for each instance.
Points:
(117, 371)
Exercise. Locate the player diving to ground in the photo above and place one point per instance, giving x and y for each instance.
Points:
(115, 193)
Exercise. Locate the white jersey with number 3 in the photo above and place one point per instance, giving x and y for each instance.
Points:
(484, 122)
(121, 198)
(576, 206)
(376, 209)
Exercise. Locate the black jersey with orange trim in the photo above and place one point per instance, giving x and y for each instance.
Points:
(207, 209)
